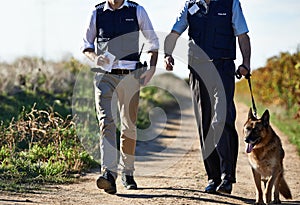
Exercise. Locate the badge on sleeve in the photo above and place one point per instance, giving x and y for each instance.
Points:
(194, 9)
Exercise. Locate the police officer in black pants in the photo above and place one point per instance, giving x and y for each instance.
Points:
(213, 26)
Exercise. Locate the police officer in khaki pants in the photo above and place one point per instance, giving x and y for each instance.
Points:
(115, 24)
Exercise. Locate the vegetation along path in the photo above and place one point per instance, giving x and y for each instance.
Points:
(171, 172)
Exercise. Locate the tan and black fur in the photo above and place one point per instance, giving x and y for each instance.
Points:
(265, 155)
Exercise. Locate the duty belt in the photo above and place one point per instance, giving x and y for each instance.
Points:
(113, 71)
(119, 71)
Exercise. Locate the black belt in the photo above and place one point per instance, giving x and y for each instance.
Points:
(119, 71)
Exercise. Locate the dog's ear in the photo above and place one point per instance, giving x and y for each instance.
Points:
(250, 115)
(265, 118)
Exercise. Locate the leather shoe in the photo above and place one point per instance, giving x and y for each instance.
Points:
(225, 187)
(128, 181)
(211, 187)
(107, 182)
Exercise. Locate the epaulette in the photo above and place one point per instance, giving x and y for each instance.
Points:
(132, 4)
(100, 6)
(191, 3)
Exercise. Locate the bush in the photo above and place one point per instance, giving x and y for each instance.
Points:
(277, 83)
(277, 86)
(41, 146)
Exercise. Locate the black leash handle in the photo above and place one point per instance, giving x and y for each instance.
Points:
(248, 76)
(238, 72)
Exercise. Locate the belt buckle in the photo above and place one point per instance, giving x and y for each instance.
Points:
(126, 71)
(119, 71)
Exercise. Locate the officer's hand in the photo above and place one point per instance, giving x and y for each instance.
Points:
(244, 70)
(101, 60)
(169, 62)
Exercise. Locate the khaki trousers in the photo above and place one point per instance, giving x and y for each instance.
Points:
(115, 93)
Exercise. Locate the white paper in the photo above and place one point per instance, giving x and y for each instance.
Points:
(108, 66)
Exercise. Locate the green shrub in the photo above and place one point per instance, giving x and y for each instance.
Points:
(41, 146)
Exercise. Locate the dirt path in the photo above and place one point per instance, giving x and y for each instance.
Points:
(172, 172)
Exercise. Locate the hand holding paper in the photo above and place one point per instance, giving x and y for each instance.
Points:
(105, 61)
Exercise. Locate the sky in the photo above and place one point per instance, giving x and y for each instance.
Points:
(53, 29)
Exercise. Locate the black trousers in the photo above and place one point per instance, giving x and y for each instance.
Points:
(213, 85)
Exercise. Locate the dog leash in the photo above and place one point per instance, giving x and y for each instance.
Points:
(248, 77)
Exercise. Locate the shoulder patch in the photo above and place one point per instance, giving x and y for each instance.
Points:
(191, 2)
(100, 6)
(132, 4)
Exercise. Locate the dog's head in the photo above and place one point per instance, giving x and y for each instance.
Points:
(255, 130)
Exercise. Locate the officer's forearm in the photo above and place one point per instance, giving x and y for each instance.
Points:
(153, 59)
(90, 53)
(245, 47)
(170, 42)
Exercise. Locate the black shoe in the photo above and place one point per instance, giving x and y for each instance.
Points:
(211, 187)
(225, 187)
(107, 182)
(128, 181)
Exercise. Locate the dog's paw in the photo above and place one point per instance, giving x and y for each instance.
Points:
(275, 202)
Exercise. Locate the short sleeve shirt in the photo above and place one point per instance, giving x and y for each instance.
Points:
(238, 20)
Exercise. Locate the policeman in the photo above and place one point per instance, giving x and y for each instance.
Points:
(213, 26)
(116, 25)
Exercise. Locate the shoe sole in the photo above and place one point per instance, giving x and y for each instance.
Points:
(210, 191)
(223, 191)
(103, 183)
(110, 191)
(130, 187)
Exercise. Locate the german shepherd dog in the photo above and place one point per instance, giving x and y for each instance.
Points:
(265, 155)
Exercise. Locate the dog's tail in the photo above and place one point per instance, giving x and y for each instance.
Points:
(284, 189)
